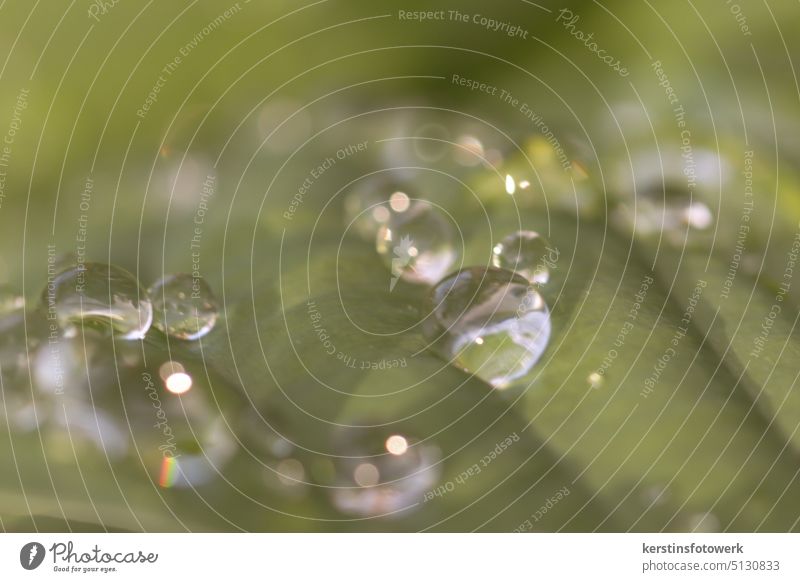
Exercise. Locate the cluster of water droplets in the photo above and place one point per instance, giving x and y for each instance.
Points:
(490, 321)
(71, 372)
(102, 296)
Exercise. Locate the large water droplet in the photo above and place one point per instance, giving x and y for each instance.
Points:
(380, 471)
(418, 243)
(99, 295)
(489, 322)
(526, 253)
(184, 306)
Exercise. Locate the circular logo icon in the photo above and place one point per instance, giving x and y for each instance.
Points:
(31, 555)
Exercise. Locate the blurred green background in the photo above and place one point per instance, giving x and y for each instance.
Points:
(263, 92)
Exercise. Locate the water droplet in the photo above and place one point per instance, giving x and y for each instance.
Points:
(526, 253)
(418, 245)
(380, 472)
(99, 295)
(489, 322)
(184, 306)
(595, 380)
(367, 204)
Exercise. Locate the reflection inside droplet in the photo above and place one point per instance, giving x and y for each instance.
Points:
(99, 295)
(500, 309)
(184, 306)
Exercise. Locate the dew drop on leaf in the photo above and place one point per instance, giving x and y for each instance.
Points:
(526, 253)
(418, 243)
(99, 295)
(489, 322)
(184, 306)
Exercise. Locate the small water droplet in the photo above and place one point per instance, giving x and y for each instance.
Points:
(366, 205)
(99, 295)
(526, 253)
(184, 306)
(595, 380)
(418, 245)
(379, 472)
(489, 322)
